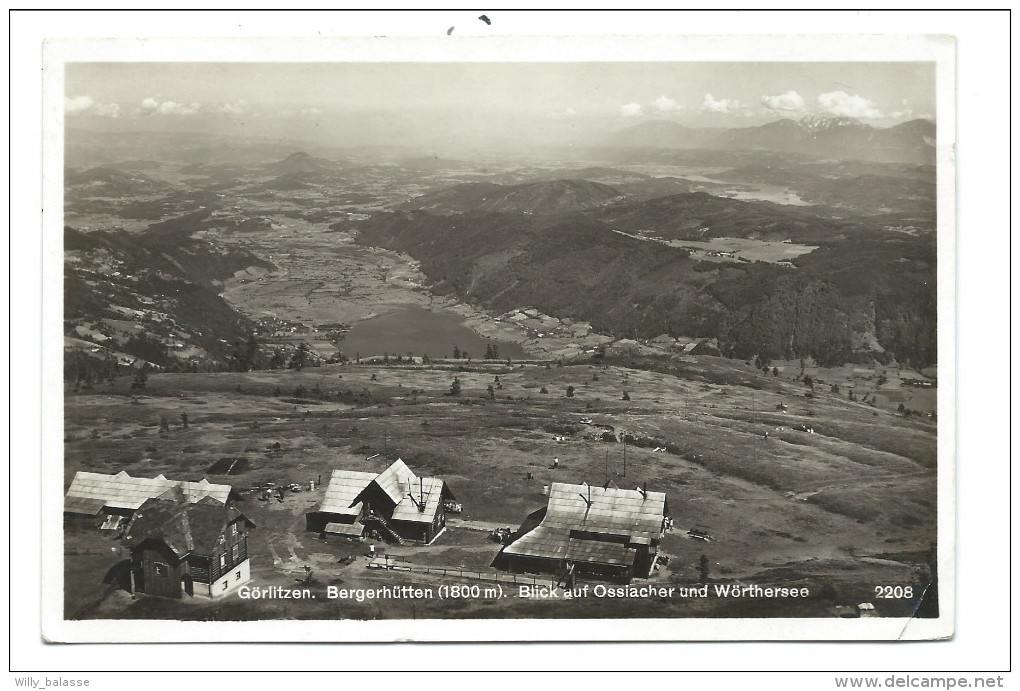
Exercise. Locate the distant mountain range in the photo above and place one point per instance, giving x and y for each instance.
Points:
(301, 162)
(110, 182)
(836, 137)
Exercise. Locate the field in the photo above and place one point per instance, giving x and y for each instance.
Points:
(751, 250)
(838, 510)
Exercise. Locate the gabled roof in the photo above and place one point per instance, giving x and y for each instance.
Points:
(185, 528)
(343, 490)
(396, 481)
(125, 492)
(613, 511)
(600, 532)
(405, 489)
(421, 502)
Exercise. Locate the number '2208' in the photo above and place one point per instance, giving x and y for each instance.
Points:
(894, 592)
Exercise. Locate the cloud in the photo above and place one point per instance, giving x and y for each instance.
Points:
(86, 105)
(842, 103)
(784, 102)
(107, 110)
(151, 106)
(722, 105)
(562, 114)
(78, 104)
(238, 108)
(630, 110)
(311, 112)
(665, 104)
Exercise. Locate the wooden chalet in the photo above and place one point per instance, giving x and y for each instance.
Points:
(397, 503)
(180, 548)
(603, 532)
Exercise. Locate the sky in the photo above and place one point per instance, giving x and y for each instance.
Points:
(407, 103)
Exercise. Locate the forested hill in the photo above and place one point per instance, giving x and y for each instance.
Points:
(163, 283)
(543, 197)
(867, 282)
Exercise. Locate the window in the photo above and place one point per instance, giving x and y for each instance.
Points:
(223, 561)
(237, 576)
(234, 551)
(224, 585)
(160, 568)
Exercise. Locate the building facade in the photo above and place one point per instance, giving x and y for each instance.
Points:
(180, 549)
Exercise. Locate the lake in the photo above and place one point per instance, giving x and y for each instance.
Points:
(420, 331)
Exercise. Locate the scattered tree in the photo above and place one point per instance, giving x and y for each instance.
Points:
(301, 356)
(543, 390)
(455, 387)
(277, 359)
(456, 353)
(703, 569)
(164, 424)
(626, 396)
(184, 420)
(492, 392)
(570, 392)
(139, 381)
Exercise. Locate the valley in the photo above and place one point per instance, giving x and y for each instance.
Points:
(757, 343)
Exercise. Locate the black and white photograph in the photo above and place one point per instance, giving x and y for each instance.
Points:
(358, 336)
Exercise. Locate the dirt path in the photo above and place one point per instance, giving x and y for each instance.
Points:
(855, 483)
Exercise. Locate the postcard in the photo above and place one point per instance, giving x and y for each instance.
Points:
(499, 339)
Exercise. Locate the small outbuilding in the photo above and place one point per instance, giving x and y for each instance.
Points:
(604, 532)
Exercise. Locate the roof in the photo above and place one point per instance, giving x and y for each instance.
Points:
(596, 551)
(601, 532)
(125, 492)
(89, 507)
(352, 529)
(342, 491)
(427, 492)
(396, 481)
(185, 528)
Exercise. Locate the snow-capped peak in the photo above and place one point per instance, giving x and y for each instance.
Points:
(822, 122)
